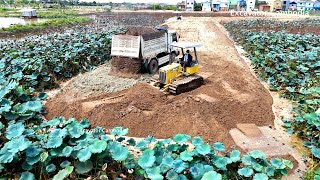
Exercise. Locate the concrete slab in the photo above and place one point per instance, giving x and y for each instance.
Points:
(271, 141)
(250, 130)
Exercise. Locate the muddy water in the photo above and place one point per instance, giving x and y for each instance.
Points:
(8, 21)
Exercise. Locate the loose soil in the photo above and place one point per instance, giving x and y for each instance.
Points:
(131, 67)
(125, 67)
(138, 31)
(94, 83)
(231, 95)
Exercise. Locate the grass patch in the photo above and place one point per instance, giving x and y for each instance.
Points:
(52, 22)
(5, 9)
(49, 14)
(56, 14)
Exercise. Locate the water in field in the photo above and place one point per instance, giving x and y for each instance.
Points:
(8, 21)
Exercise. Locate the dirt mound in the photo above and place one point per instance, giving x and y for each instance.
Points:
(138, 31)
(125, 67)
(230, 96)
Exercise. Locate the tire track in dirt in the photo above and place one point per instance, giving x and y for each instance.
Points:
(231, 95)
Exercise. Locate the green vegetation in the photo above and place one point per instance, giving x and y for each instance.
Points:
(45, 24)
(314, 13)
(50, 13)
(4, 9)
(168, 7)
(39, 63)
(61, 148)
(197, 6)
(57, 14)
(9, 12)
(290, 63)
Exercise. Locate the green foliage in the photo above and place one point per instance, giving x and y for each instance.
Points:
(290, 64)
(66, 148)
(197, 6)
(211, 175)
(27, 176)
(45, 24)
(66, 55)
(65, 13)
(87, 152)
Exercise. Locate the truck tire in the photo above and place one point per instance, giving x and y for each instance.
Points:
(172, 57)
(153, 66)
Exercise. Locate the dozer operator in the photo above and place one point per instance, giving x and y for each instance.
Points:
(179, 77)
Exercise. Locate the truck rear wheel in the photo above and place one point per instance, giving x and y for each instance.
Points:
(153, 66)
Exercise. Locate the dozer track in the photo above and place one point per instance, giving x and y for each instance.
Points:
(185, 84)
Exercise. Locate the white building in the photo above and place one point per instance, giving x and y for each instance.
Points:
(309, 5)
(251, 5)
(224, 5)
(189, 5)
(206, 6)
(301, 5)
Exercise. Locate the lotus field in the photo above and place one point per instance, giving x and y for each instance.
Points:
(290, 63)
(35, 148)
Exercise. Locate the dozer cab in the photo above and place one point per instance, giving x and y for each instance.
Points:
(174, 78)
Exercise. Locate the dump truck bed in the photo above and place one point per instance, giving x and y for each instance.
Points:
(126, 46)
(147, 45)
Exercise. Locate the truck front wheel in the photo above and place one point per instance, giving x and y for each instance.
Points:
(153, 66)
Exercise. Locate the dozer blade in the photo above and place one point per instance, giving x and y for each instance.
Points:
(186, 84)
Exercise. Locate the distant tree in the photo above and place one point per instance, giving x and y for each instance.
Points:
(18, 2)
(197, 6)
(157, 7)
(172, 7)
(94, 3)
(258, 3)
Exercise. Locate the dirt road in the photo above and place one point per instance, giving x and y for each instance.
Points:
(231, 95)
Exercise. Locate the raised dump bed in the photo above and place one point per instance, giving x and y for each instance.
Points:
(148, 45)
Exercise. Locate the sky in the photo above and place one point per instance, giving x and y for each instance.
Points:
(141, 1)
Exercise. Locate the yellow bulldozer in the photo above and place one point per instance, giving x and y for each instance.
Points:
(176, 78)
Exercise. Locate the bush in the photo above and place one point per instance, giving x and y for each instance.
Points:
(290, 63)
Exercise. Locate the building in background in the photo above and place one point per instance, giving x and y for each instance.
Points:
(309, 5)
(189, 5)
(216, 5)
(206, 6)
(293, 6)
(182, 6)
(275, 5)
(301, 5)
(316, 6)
(251, 5)
(265, 8)
(242, 5)
(224, 5)
(233, 4)
(285, 5)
